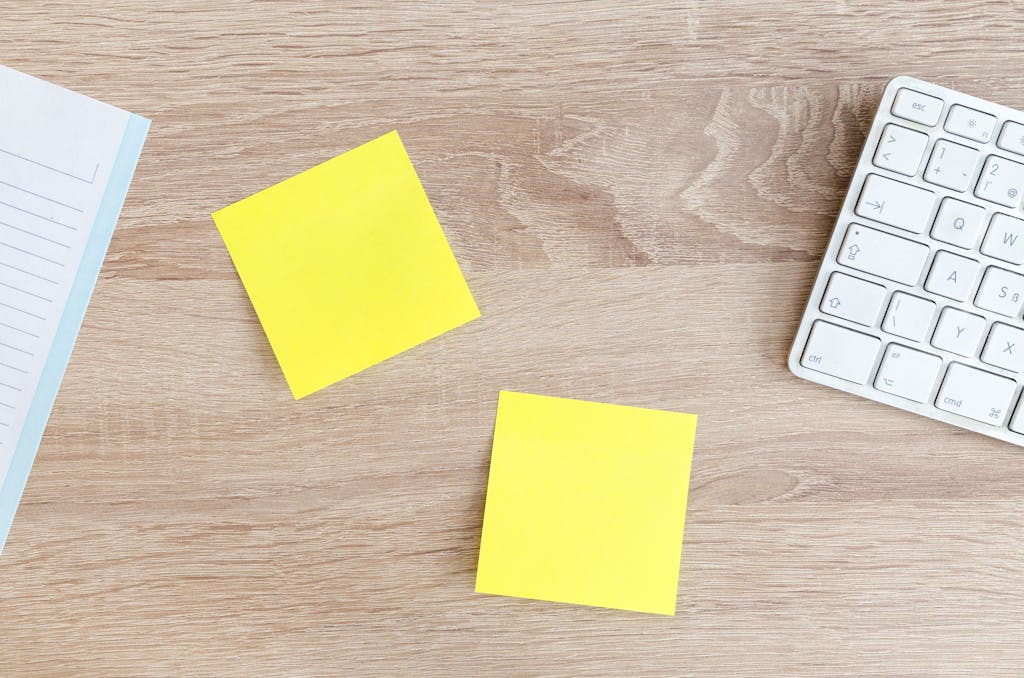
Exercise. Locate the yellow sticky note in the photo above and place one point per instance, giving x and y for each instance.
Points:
(346, 265)
(586, 503)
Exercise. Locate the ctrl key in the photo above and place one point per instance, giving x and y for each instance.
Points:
(840, 352)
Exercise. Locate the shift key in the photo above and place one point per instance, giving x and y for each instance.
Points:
(895, 203)
(883, 254)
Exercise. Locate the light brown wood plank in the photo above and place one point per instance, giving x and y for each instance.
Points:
(639, 197)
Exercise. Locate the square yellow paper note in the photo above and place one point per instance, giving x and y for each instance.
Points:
(346, 265)
(586, 503)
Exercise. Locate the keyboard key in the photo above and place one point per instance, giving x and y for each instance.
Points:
(913, 105)
(882, 254)
(1017, 422)
(1005, 348)
(975, 394)
(958, 223)
(854, 299)
(908, 373)
(969, 123)
(908, 316)
(951, 165)
(900, 149)
(958, 332)
(1012, 137)
(1001, 292)
(895, 203)
(1001, 181)
(840, 352)
(952, 276)
(1005, 239)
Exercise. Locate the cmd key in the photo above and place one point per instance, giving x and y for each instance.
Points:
(976, 394)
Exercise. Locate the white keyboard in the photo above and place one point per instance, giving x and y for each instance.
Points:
(919, 298)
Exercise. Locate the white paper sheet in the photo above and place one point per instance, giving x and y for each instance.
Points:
(58, 153)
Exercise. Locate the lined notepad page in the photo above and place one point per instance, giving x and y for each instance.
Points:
(58, 153)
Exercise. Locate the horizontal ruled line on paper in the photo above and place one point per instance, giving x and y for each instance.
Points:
(21, 310)
(53, 169)
(34, 275)
(33, 254)
(31, 294)
(59, 243)
(15, 348)
(49, 220)
(42, 197)
(19, 350)
(18, 329)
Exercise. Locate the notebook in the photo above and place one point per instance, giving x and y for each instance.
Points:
(65, 164)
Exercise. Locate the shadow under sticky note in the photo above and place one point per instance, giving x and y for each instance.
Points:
(346, 265)
(586, 503)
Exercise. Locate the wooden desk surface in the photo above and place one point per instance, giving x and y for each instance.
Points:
(639, 198)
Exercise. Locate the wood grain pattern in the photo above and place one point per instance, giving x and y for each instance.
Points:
(639, 196)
